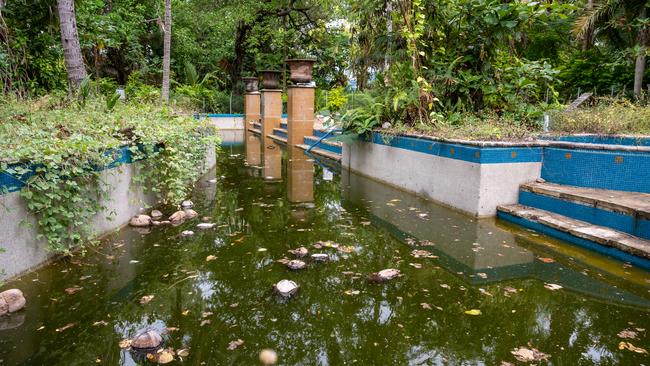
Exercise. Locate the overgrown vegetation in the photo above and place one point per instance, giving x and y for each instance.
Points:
(59, 147)
(608, 116)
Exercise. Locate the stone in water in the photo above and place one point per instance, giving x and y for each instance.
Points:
(177, 217)
(320, 257)
(286, 288)
(149, 340)
(187, 204)
(296, 264)
(140, 221)
(11, 301)
(156, 215)
(206, 225)
(268, 357)
(190, 214)
(187, 233)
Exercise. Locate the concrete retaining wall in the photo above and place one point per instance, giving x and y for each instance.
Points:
(19, 229)
(468, 178)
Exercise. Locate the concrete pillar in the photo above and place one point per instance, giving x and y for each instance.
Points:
(300, 176)
(252, 114)
(271, 117)
(300, 109)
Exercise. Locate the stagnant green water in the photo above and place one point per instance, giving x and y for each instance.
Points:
(416, 319)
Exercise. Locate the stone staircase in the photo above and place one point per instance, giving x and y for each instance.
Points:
(599, 210)
(331, 150)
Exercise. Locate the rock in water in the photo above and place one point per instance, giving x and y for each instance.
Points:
(296, 264)
(149, 340)
(156, 215)
(320, 257)
(177, 217)
(206, 225)
(187, 204)
(190, 214)
(187, 233)
(286, 288)
(384, 275)
(11, 301)
(140, 221)
(268, 357)
(299, 252)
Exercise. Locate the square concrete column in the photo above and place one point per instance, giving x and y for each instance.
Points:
(271, 117)
(300, 109)
(252, 109)
(300, 176)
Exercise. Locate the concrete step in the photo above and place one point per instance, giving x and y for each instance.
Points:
(333, 146)
(605, 240)
(255, 131)
(256, 125)
(321, 152)
(280, 132)
(621, 210)
(278, 139)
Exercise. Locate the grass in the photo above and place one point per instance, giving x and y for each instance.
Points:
(607, 117)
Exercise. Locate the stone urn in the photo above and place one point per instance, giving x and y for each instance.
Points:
(271, 79)
(251, 83)
(300, 69)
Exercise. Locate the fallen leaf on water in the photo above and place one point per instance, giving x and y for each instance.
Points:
(482, 275)
(351, 292)
(183, 352)
(552, 286)
(524, 354)
(546, 260)
(631, 347)
(419, 253)
(262, 250)
(185, 312)
(72, 290)
(171, 329)
(125, 343)
(415, 265)
(426, 306)
(234, 344)
(210, 258)
(165, 356)
(133, 261)
(444, 285)
(484, 292)
(204, 322)
(365, 223)
(67, 326)
(206, 314)
(509, 290)
(101, 322)
(234, 305)
(145, 299)
(627, 334)
(473, 312)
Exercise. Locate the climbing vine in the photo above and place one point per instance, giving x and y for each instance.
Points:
(59, 151)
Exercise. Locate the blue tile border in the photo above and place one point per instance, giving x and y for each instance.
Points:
(472, 154)
(597, 216)
(587, 244)
(331, 148)
(599, 139)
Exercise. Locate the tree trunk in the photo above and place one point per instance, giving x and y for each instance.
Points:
(70, 40)
(639, 68)
(589, 35)
(167, 44)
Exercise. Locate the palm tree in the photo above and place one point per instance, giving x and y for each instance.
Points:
(70, 40)
(608, 14)
(167, 42)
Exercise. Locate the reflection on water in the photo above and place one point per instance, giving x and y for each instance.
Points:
(416, 319)
(253, 150)
(272, 169)
(300, 176)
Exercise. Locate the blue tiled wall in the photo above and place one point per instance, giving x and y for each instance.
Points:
(617, 170)
(609, 140)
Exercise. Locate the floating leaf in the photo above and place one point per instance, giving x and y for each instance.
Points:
(145, 299)
(67, 326)
(183, 352)
(125, 343)
(210, 258)
(101, 322)
(552, 286)
(234, 344)
(426, 306)
(631, 347)
(546, 260)
(524, 354)
(72, 290)
(165, 356)
(627, 334)
(351, 292)
(473, 312)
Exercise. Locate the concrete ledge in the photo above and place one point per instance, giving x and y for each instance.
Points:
(19, 228)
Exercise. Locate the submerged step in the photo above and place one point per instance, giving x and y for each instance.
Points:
(322, 152)
(625, 211)
(605, 240)
(333, 146)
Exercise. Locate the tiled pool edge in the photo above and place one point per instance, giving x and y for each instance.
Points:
(24, 252)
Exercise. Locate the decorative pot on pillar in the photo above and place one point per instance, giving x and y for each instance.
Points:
(252, 84)
(271, 79)
(301, 70)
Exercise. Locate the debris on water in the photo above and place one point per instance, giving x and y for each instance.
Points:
(11, 301)
(262, 249)
(212, 181)
(162, 356)
(72, 290)
(384, 275)
(351, 292)
(145, 299)
(524, 354)
(183, 352)
(552, 286)
(147, 340)
(177, 217)
(125, 343)
(65, 327)
(187, 233)
(320, 257)
(420, 253)
(268, 357)
(234, 344)
(210, 258)
(473, 312)
(630, 347)
(296, 264)
(346, 249)
(415, 265)
(284, 261)
(627, 334)
(206, 225)
(286, 288)
(187, 204)
(299, 252)
(546, 260)
(140, 221)
(482, 275)
(425, 306)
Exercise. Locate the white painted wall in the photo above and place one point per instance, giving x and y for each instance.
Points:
(473, 188)
(19, 229)
(227, 123)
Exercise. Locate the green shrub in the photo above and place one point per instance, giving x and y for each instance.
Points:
(608, 116)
